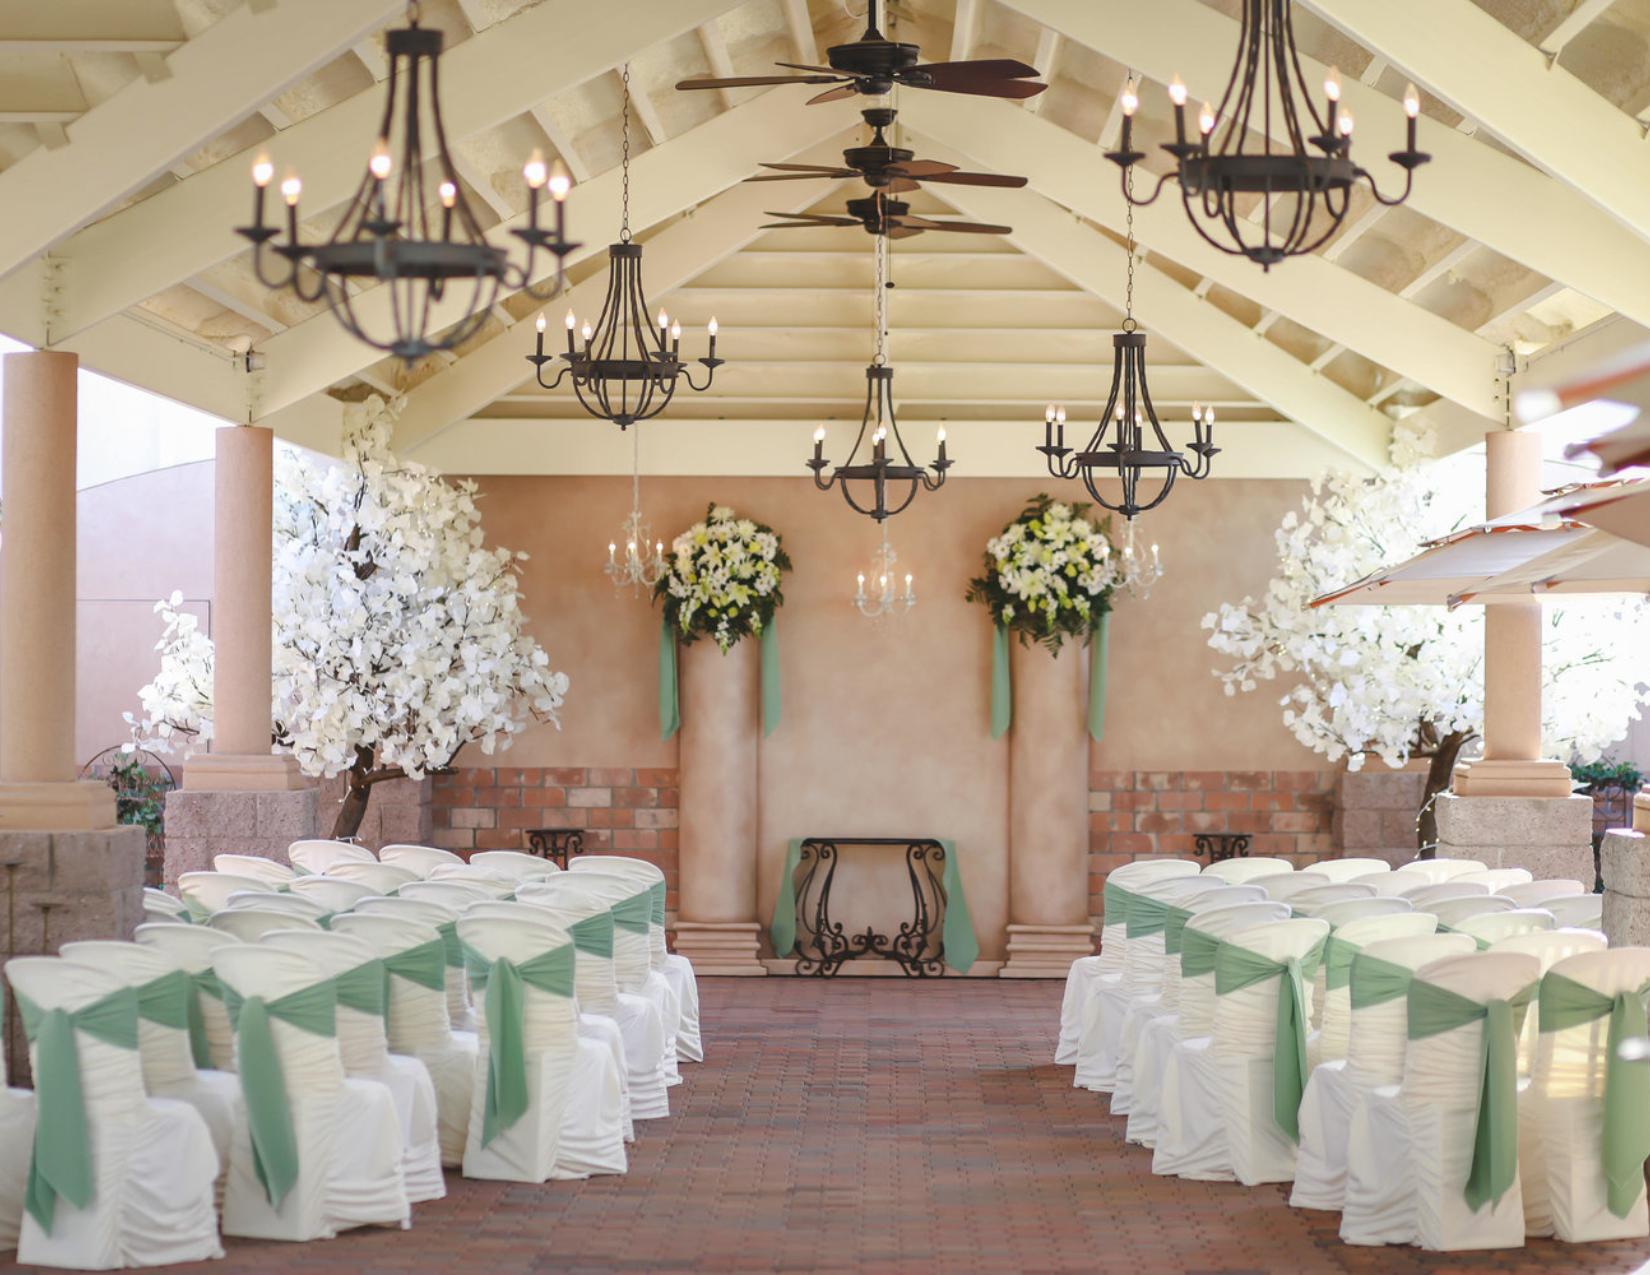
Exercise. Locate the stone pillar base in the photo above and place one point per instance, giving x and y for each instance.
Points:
(1624, 860)
(242, 772)
(1641, 810)
(1512, 779)
(723, 948)
(1045, 951)
(202, 824)
(74, 806)
(1551, 836)
(60, 886)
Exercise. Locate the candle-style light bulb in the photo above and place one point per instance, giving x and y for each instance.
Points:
(449, 195)
(1177, 91)
(1412, 101)
(1332, 84)
(676, 330)
(1346, 124)
(1206, 119)
(561, 181)
(291, 188)
(711, 327)
(587, 332)
(380, 162)
(611, 550)
(535, 172)
(1130, 97)
(262, 170)
(539, 323)
(1177, 95)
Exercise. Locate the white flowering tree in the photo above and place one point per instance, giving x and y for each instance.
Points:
(397, 632)
(1406, 682)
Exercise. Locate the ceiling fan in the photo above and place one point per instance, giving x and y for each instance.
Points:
(885, 167)
(874, 64)
(879, 215)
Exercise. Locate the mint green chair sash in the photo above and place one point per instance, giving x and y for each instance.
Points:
(1338, 955)
(1433, 1010)
(658, 889)
(1197, 953)
(205, 983)
(1566, 1003)
(1375, 982)
(1146, 916)
(449, 938)
(1116, 900)
(197, 912)
(1483, 944)
(362, 988)
(504, 986)
(635, 913)
(263, 1083)
(594, 935)
(425, 965)
(1237, 968)
(62, 1161)
(1174, 929)
(165, 1000)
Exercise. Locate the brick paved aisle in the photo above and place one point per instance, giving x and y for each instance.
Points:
(881, 1126)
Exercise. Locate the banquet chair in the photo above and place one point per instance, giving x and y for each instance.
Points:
(1420, 1168)
(360, 986)
(204, 893)
(1308, 902)
(1587, 1110)
(1549, 947)
(1339, 870)
(1487, 928)
(1451, 912)
(1243, 871)
(1435, 892)
(1165, 1049)
(416, 1021)
(16, 1147)
(251, 924)
(1120, 883)
(274, 875)
(1377, 1035)
(1493, 879)
(1585, 911)
(318, 855)
(191, 946)
(449, 898)
(1283, 886)
(378, 878)
(319, 1152)
(161, 906)
(1393, 883)
(1535, 894)
(419, 859)
(1338, 914)
(290, 902)
(676, 968)
(1345, 942)
(172, 1046)
(331, 894)
(536, 1073)
(1439, 870)
(514, 864)
(494, 884)
(123, 1179)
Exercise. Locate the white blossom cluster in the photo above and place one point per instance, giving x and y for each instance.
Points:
(1051, 563)
(396, 629)
(177, 705)
(1367, 677)
(723, 576)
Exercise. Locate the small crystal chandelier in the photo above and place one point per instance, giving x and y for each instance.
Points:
(1130, 454)
(640, 572)
(1216, 172)
(879, 423)
(884, 602)
(1139, 571)
(396, 231)
(624, 369)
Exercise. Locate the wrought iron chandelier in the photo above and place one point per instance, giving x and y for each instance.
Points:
(420, 243)
(1232, 160)
(886, 466)
(886, 602)
(624, 369)
(1130, 454)
(640, 568)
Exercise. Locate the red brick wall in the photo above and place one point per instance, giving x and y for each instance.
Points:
(630, 812)
(1137, 813)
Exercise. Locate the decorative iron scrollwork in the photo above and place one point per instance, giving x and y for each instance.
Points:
(825, 945)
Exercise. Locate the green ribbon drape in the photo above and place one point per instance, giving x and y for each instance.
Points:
(1197, 953)
(1116, 900)
(670, 704)
(165, 1000)
(61, 1165)
(263, 1083)
(1174, 929)
(504, 988)
(1099, 641)
(594, 935)
(202, 983)
(362, 988)
(1237, 968)
(425, 965)
(1002, 686)
(635, 914)
(782, 930)
(771, 705)
(448, 930)
(1566, 1003)
(1434, 1009)
(1146, 916)
(659, 895)
(1338, 956)
(1374, 981)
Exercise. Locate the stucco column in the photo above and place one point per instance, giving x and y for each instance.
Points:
(1048, 840)
(718, 927)
(37, 603)
(241, 758)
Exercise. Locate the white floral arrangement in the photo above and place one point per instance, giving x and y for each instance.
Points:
(722, 579)
(1049, 575)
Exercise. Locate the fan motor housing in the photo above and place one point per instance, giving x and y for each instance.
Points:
(874, 62)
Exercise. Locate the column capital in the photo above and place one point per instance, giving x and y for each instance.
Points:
(242, 772)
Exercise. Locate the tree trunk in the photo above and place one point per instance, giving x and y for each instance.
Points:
(1440, 774)
(360, 778)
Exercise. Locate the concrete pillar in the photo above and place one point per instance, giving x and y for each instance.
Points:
(718, 927)
(1048, 839)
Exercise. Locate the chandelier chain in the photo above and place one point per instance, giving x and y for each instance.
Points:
(1129, 324)
(624, 164)
(881, 357)
(415, 10)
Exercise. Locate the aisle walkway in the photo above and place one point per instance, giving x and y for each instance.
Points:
(880, 1126)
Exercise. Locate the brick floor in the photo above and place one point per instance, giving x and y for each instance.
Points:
(882, 1126)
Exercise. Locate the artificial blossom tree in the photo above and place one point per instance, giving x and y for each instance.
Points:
(1403, 682)
(398, 632)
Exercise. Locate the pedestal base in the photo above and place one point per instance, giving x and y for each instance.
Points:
(202, 824)
(1512, 779)
(73, 806)
(242, 772)
(1551, 836)
(721, 948)
(1045, 951)
(66, 885)
(1624, 862)
(1641, 810)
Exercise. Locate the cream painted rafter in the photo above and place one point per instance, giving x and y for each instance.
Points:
(1472, 188)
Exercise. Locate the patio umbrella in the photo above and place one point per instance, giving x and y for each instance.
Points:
(1622, 509)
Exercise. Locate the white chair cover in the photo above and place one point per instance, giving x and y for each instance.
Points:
(1311, 902)
(318, 856)
(288, 902)
(1437, 891)
(331, 894)
(1338, 914)
(1334, 1035)
(345, 1130)
(251, 924)
(1451, 912)
(1535, 894)
(1243, 871)
(448, 899)
(1490, 927)
(1561, 1113)
(204, 893)
(152, 1161)
(1494, 879)
(417, 1022)
(191, 946)
(363, 1044)
(160, 906)
(16, 1147)
(377, 878)
(514, 864)
(1224, 896)
(1338, 870)
(1410, 1147)
(494, 884)
(1284, 886)
(1377, 1037)
(1085, 969)
(1436, 870)
(573, 1125)
(254, 865)
(1581, 911)
(419, 859)
(1392, 883)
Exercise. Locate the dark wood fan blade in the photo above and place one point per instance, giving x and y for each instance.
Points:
(995, 68)
(901, 186)
(985, 87)
(826, 70)
(754, 81)
(977, 179)
(814, 219)
(800, 177)
(834, 169)
(921, 168)
(962, 227)
(833, 95)
(902, 232)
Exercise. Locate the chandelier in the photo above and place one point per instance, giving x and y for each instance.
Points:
(886, 467)
(1139, 571)
(419, 243)
(1146, 465)
(1300, 196)
(885, 602)
(639, 568)
(624, 369)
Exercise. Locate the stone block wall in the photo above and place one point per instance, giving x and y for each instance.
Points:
(398, 812)
(202, 824)
(1375, 813)
(1134, 814)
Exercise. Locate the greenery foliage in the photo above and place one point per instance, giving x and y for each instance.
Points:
(1050, 574)
(722, 580)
